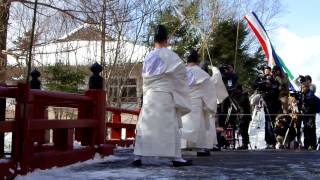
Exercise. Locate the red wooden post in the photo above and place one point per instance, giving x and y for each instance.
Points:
(85, 135)
(116, 132)
(63, 139)
(22, 140)
(2, 118)
(39, 110)
(39, 113)
(99, 114)
(130, 133)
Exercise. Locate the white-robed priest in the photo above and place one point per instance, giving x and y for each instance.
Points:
(165, 100)
(198, 125)
(221, 94)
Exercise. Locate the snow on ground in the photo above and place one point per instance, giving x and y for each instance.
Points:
(117, 168)
(4, 161)
(262, 165)
(113, 167)
(68, 171)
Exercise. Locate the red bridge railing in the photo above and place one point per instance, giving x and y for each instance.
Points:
(30, 148)
(117, 125)
(8, 165)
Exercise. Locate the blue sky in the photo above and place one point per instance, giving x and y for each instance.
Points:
(301, 17)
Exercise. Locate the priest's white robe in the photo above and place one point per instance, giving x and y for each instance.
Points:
(165, 100)
(221, 95)
(198, 125)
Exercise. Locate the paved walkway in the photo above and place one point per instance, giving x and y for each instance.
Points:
(255, 165)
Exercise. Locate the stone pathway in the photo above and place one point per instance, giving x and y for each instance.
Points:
(255, 165)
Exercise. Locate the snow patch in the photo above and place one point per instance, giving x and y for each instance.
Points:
(60, 173)
(11, 171)
(77, 145)
(4, 161)
(124, 147)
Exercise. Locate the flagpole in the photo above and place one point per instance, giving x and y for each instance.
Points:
(34, 19)
(237, 39)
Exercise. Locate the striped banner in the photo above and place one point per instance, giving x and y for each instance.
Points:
(272, 57)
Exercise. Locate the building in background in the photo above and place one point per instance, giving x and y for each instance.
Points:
(82, 47)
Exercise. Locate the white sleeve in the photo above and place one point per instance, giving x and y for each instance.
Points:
(153, 65)
(191, 78)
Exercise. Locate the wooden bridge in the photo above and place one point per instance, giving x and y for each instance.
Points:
(30, 149)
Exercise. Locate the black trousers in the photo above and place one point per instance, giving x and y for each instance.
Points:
(243, 130)
(269, 131)
(309, 131)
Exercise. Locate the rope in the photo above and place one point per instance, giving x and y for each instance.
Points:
(265, 114)
(205, 44)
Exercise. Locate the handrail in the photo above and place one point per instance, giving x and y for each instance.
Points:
(61, 96)
(119, 110)
(9, 92)
(120, 125)
(39, 124)
(7, 126)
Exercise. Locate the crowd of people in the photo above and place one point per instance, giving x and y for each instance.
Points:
(186, 108)
(285, 111)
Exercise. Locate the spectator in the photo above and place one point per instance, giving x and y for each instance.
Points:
(312, 87)
(299, 80)
(283, 85)
(244, 118)
(308, 108)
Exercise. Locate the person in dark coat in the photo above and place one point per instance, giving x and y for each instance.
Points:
(244, 117)
(308, 108)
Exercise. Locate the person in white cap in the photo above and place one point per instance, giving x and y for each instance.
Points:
(165, 100)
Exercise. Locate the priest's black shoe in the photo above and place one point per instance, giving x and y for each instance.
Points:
(182, 163)
(137, 163)
(242, 148)
(215, 149)
(203, 153)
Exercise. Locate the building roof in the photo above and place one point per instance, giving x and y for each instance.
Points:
(82, 46)
(85, 32)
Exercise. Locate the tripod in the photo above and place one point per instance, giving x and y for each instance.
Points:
(231, 127)
(269, 120)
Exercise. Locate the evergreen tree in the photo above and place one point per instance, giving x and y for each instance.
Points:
(60, 77)
(222, 49)
(220, 45)
(182, 36)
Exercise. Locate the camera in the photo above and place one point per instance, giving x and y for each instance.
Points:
(296, 94)
(260, 84)
(224, 68)
(261, 67)
(302, 79)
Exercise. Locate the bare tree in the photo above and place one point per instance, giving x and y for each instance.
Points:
(123, 27)
(4, 17)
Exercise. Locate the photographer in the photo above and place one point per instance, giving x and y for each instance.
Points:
(244, 108)
(306, 79)
(229, 77)
(283, 85)
(308, 108)
(273, 105)
(268, 88)
(267, 71)
(230, 80)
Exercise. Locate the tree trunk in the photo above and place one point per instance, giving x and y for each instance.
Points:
(4, 18)
(103, 42)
